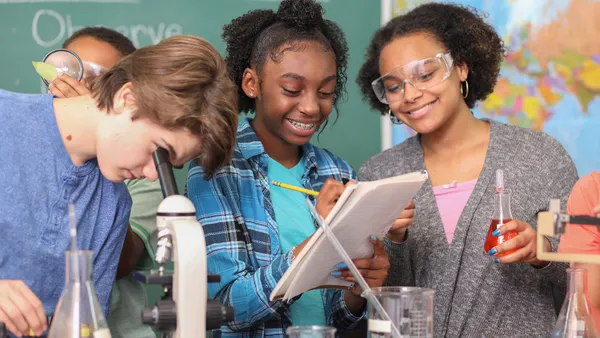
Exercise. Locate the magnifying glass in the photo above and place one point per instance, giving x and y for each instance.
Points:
(65, 61)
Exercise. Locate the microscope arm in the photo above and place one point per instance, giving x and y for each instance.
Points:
(185, 309)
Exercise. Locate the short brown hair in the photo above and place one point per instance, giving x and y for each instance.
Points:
(182, 82)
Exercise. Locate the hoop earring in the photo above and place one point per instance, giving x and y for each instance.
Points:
(466, 92)
(393, 117)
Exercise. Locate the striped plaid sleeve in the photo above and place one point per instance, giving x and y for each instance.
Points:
(331, 165)
(340, 315)
(242, 286)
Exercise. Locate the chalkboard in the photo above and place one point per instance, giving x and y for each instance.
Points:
(31, 28)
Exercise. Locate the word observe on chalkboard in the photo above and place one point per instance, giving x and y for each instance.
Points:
(49, 27)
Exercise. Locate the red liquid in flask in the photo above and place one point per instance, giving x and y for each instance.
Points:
(492, 241)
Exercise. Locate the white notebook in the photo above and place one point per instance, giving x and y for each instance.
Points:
(364, 209)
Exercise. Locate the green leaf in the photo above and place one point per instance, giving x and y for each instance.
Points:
(46, 71)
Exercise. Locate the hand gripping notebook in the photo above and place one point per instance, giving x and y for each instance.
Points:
(364, 209)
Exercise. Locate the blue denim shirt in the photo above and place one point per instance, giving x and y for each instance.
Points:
(236, 213)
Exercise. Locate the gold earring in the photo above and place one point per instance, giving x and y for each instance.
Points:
(466, 92)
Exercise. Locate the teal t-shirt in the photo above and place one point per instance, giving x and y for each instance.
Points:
(295, 224)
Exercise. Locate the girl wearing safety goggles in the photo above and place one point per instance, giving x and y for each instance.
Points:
(427, 69)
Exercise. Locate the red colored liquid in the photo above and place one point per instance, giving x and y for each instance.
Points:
(492, 241)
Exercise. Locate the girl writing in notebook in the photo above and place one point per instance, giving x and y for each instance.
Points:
(427, 69)
(290, 68)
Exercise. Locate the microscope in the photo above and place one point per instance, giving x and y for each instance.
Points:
(184, 310)
(553, 223)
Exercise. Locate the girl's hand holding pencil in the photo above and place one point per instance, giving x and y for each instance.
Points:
(326, 199)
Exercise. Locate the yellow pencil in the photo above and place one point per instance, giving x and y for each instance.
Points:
(295, 188)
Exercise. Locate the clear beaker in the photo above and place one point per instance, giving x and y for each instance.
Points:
(78, 313)
(410, 308)
(311, 331)
(575, 319)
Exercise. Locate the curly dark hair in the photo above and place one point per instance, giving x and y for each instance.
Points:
(462, 30)
(257, 34)
(119, 41)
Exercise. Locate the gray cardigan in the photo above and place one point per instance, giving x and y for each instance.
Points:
(474, 296)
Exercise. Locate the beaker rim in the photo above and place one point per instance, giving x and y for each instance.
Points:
(310, 328)
(401, 291)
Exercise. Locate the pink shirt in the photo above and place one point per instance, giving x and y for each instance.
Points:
(584, 239)
(451, 200)
(584, 197)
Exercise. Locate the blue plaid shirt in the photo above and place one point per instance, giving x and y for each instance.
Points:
(242, 239)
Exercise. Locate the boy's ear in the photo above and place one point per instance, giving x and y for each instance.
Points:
(124, 99)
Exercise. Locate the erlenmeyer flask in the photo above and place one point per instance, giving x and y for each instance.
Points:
(575, 319)
(501, 216)
(78, 313)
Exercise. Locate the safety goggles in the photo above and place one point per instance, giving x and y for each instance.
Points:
(92, 70)
(421, 74)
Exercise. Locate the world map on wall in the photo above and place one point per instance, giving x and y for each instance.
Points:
(550, 80)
